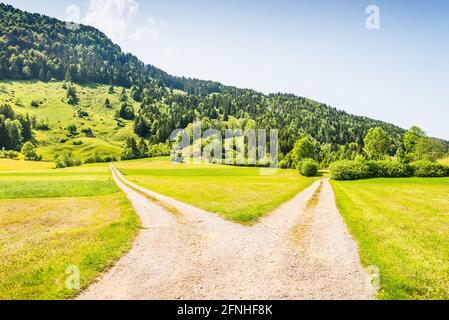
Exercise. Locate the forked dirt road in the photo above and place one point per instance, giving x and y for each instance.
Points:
(295, 253)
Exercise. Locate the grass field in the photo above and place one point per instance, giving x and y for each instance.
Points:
(52, 219)
(402, 227)
(51, 96)
(238, 194)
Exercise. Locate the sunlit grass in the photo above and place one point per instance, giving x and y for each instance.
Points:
(55, 189)
(40, 238)
(402, 227)
(51, 219)
(238, 194)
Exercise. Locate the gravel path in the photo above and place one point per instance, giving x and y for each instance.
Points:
(298, 252)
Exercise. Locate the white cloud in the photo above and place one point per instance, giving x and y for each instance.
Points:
(150, 30)
(117, 19)
(113, 17)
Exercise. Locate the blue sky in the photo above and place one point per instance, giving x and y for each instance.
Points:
(317, 49)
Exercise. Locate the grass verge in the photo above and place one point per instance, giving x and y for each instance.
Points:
(402, 227)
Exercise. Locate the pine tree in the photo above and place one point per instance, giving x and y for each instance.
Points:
(131, 150)
(141, 127)
(143, 149)
(26, 128)
(107, 103)
(126, 111)
(14, 130)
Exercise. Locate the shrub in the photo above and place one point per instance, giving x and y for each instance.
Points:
(42, 126)
(126, 111)
(66, 160)
(97, 158)
(88, 132)
(29, 152)
(35, 103)
(72, 129)
(158, 150)
(349, 170)
(388, 169)
(8, 154)
(428, 169)
(82, 113)
(286, 162)
(283, 164)
(354, 170)
(308, 168)
(78, 142)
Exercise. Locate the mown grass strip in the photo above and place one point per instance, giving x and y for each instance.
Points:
(18, 189)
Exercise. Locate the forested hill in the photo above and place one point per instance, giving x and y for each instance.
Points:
(33, 46)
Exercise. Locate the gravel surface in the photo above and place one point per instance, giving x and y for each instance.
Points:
(297, 252)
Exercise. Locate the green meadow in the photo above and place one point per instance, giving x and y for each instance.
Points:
(52, 219)
(238, 194)
(402, 227)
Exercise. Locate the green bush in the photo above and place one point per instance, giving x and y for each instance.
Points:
(78, 142)
(97, 158)
(350, 170)
(354, 170)
(286, 162)
(388, 169)
(66, 160)
(72, 129)
(8, 154)
(308, 168)
(29, 152)
(428, 169)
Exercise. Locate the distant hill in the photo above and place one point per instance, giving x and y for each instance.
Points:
(37, 47)
(34, 46)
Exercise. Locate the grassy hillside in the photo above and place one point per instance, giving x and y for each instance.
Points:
(401, 226)
(109, 134)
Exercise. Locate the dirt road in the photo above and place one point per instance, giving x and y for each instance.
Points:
(297, 252)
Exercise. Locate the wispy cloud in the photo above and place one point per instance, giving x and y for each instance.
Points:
(149, 30)
(116, 19)
(111, 16)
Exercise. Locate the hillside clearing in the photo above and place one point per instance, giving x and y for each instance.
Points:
(109, 135)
